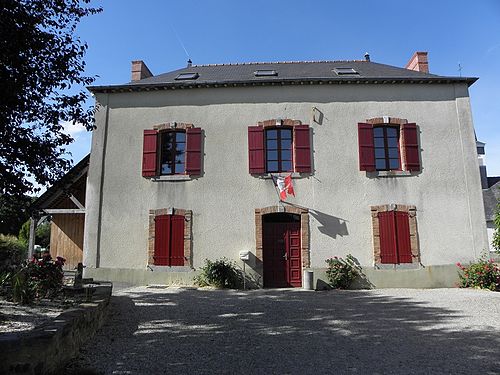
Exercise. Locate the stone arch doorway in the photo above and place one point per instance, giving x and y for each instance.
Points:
(282, 245)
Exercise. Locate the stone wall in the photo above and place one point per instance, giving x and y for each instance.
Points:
(51, 346)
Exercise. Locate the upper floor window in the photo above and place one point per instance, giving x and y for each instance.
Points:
(173, 148)
(386, 143)
(388, 147)
(279, 150)
(172, 151)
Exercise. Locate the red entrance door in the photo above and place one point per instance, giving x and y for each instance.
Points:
(281, 254)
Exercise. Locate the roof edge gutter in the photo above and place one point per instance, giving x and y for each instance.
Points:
(309, 80)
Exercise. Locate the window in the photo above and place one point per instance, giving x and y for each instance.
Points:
(279, 150)
(394, 230)
(173, 148)
(172, 152)
(169, 240)
(388, 147)
(275, 149)
(386, 143)
(187, 76)
(170, 233)
(344, 71)
(265, 73)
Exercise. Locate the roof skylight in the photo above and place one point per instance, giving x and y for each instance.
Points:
(186, 76)
(265, 73)
(344, 71)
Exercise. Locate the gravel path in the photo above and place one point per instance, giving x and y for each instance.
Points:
(391, 331)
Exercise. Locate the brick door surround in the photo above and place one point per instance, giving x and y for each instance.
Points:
(304, 231)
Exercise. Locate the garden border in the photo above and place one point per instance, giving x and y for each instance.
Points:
(49, 347)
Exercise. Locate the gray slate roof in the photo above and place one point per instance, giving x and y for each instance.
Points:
(309, 72)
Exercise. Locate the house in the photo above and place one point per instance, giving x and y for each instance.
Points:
(491, 198)
(382, 160)
(491, 192)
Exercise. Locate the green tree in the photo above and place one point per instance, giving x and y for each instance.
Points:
(14, 211)
(42, 234)
(496, 234)
(24, 232)
(42, 76)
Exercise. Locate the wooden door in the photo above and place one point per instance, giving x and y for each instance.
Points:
(281, 254)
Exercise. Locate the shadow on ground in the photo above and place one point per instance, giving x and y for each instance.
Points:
(179, 331)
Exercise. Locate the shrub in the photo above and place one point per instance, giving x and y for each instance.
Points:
(221, 273)
(341, 273)
(12, 252)
(483, 274)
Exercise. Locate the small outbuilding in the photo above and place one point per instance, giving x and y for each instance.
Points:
(64, 202)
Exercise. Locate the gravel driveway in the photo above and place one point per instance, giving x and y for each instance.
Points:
(389, 331)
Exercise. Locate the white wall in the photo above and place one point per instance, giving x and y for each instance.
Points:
(447, 193)
(490, 225)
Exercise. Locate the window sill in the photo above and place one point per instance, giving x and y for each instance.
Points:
(174, 177)
(389, 174)
(154, 268)
(401, 266)
(268, 176)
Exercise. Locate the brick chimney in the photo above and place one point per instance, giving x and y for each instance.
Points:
(140, 70)
(418, 62)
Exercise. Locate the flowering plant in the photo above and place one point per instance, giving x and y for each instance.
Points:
(46, 273)
(484, 274)
(38, 278)
(341, 273)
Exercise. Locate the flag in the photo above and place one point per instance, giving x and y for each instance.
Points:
(280, 183)
(285, 186)
(289, 185)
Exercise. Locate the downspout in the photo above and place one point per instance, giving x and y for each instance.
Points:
(101, 184)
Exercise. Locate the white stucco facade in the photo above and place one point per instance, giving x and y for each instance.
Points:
(446, 192)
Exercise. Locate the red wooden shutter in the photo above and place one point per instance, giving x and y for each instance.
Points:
(302, 149)
(177, 241)
(387, 232)
(410, 147)
(366, 147)
(193, 151)
(403, 237)
(162, 240)
(149, 153)
(256, 159)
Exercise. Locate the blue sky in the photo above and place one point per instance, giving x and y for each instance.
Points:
(222, 31)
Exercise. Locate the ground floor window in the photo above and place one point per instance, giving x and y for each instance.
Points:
(395, 234)
(394, 237)
(170, 237)
(169, 240)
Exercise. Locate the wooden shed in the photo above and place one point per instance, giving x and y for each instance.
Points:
(65, 203)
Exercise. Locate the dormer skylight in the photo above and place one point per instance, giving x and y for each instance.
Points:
(186, 76)
(341, 71)
(265, 73)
